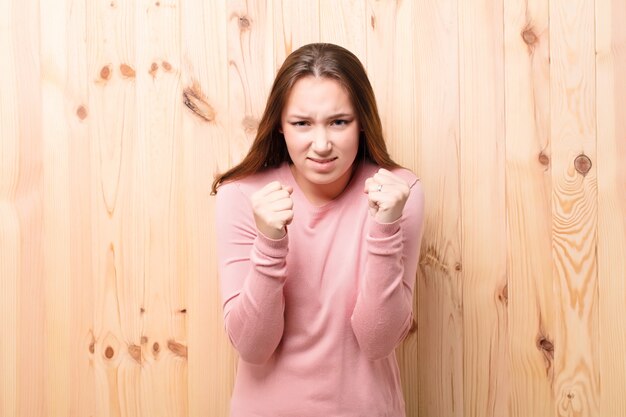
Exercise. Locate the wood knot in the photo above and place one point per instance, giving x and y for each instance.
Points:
(570, 395)
(157, 4)
(458, 267)
(373, 21)
(105, 72)
(144, 340)
(582, 163)
(127, 71)
(109, 352)
(544, 159)
(113, 5)
(504, 294)
(135, 352)
(142, 310)
(156, 348)
(92, 347)
(153, 69)
(81, 112)
(529, 37)
(177, 348)
(250, 124)
(183, 310)
(545, 345)
(429, 256)
(194, 99)
(166, 66)
(244, 23)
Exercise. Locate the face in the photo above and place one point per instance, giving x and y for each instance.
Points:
(322, 136)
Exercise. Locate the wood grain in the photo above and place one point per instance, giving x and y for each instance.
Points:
(529, 213)
(611, 148)
(439, 280)
(116, 115)
(118, 216)
(574, 205)
(206, 152)
(81, 370)
(9, 219)
(251, 69)
(486, 383)
(159, 158)
(56, 216)
(344, 23)
(30, 312)
(296, 23)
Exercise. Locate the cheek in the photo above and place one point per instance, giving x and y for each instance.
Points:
(294, 143)
(350, 141)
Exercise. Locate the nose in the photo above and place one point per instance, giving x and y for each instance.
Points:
(321, 144)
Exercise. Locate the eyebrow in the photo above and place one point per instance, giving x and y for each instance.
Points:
(334, 116)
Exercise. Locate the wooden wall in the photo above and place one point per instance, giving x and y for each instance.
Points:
(115, 114)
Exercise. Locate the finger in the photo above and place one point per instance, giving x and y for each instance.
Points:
(267, 189)
(288, 188)
(386, 176)
(282, 204)
(285, 216)
(385, 179)
(277, 195)
(377, 187)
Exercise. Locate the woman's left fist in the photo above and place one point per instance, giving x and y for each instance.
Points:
(387, 194)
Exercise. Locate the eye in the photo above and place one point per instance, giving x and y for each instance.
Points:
(340, 122)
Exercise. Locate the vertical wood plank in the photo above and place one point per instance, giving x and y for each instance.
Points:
(31, 337)
(251, 69)
(118, 215)
(81, 370)
(485, 296)
(344, 23)
(160, 155)
(296, 23)
(205, 121)
(439, 284)
(528, 206)
(610, 16)
(56, 132)
(391, 63)
(9, 220)
(574, 204)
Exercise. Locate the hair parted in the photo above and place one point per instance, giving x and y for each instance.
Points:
(318, 60)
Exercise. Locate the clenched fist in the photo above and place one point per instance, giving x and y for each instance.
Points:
(387, 194)
(273, 209)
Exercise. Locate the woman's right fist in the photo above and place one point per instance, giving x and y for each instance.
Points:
(273, 209)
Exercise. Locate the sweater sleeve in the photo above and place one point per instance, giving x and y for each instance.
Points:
(252, 270)
(383, 312)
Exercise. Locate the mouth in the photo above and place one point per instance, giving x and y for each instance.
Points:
(322, 160)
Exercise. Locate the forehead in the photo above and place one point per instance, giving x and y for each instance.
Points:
(318, 94)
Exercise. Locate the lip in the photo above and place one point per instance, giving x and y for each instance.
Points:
(322, 160)
(322, 165)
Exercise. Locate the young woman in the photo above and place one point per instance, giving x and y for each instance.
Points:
(319, 234)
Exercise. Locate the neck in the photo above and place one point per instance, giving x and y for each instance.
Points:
(320, 194)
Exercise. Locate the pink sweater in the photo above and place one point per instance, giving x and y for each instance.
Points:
(316, 315)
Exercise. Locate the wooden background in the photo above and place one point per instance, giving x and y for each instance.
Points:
(115, 114)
